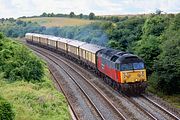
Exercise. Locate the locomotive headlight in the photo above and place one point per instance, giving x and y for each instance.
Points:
(125, 74)
(142, 73)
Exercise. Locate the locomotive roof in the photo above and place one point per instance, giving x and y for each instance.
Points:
(91, 47)
(109, 53)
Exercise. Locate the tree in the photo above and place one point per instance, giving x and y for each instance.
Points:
(155, 25)
(115, 19)
(12, 20)
(44, 14)
(2, 20)
(168, 65)
(52, 15)
(81, 15)
(158, 11)
(148, 49)
(71, 14)
(19, 22)
(91, 16)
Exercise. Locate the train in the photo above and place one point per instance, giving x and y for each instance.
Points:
(124, 71)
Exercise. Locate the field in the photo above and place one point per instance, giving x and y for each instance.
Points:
(58, 21)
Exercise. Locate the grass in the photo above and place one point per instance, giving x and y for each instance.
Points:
(35, 101)
(58, 21)
(174, 99)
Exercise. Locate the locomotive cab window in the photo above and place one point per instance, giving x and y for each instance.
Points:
(117, 66)
(138, 66)
(114, 58)
(125, 67)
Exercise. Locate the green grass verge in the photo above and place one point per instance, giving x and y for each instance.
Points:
(35, 101)
(25, 84)
(174, 99)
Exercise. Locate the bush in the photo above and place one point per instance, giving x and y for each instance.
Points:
(168, 65)
(1, 35)
(6, 112)
(18, 63)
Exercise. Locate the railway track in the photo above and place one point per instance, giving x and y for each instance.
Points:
(59, 84)
(102, 116)
(75, 115)
(139, 107)
(173, 116)
(149, 114)
(152, 108)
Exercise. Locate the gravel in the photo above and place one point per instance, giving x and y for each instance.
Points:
(80, 103)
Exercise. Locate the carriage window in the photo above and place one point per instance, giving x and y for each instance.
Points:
(138, 66)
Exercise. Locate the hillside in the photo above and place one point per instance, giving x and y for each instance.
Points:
(26, 91)
(58, 21)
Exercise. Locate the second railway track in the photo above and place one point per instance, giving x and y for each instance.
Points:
(147, 112)
(104, 107)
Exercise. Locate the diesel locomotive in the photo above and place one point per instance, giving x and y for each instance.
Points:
(124, 71)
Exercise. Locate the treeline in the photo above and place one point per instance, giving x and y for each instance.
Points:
(17, 28)
(92, 33)
(91, 15)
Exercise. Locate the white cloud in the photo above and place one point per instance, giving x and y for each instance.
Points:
(17, 8)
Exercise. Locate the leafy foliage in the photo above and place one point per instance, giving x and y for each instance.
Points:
(159, 47)
(91, 16)
(18, 63)
(148, 49)
(6, 112)
(126, 32)
(31, 95)
(168, 63)
(155, 25)
(72, 14)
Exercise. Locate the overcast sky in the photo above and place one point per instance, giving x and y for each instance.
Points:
(18, 8)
